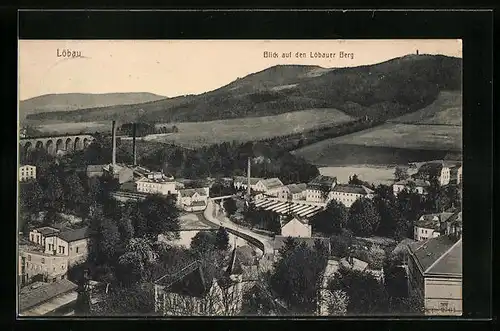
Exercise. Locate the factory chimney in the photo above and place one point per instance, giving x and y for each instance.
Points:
(113, 133)
(134, 151)
(249, 166)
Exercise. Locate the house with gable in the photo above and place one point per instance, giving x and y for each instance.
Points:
(434, 270)
(417, 185)
(194, 199)
(241, 182)
(296, 227)
(71, 243)
(269, 186)
(293, 192)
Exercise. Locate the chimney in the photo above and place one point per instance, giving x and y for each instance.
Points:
(134, 153)
(249, 166)
(113, 133)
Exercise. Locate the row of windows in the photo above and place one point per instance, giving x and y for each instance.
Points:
(35, 267)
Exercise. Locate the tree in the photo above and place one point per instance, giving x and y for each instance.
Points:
(401, 173)
(53, 192)
(363, 218)
(297, 278)
(354, 180)
(74, 193)
(340, 244)
(31, 196)
(161, 217)
(108, 240)
(128, 301)
(222, 239)
(387, 207)
(332, 219)
(203, 242)
(336, 302)
(135, 262)
(230, 206)
(366, 295)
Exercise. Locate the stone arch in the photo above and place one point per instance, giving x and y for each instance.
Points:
(39, 144)
(78, 144)
(59, 145)
(68, 146)
(27, 147)
(86, 142)
(49, 145)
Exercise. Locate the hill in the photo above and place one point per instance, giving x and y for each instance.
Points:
(385, 90)
(445, 110)
(73, 101)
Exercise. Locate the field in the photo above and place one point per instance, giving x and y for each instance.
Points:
(65, 127)
(446, 110)
(372, 174)
(196, 134)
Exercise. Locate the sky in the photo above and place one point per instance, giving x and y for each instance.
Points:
(179, 67)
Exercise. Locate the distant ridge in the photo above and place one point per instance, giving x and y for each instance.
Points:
(62, 102)
(385, 90)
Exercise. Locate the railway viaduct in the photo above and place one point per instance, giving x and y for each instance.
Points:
(53, 144)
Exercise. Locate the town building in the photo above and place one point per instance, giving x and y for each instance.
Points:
(434, 270)
(430, 226)
(347, 194)
(296, 227)
(318, 188)
(73, 244)
(156, 185)
(293, 192)
(300, 208)
(193, 199)
(195, 291)
(38, 235)
(417, 185)
(241, 183)
(95, 170)
(270, 186)
(36, 264)
(459, 174)
(27, 172)
(48, 299)
(120, 172)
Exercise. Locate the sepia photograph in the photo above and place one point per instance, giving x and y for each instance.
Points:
(238, 178)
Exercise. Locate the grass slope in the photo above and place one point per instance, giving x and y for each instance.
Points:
(195, 134)
(446, 110)
(388, 89)
(72, 101)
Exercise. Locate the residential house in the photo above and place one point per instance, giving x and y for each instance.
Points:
(270, 186)
(27, 172)
(293, 192)
(37, 264)
(429, 226)
(459, 174)
(418, 185)
(319, 187)
(74, 244)
(445, 175)
(347, 194)
(38, 235)
(119, 171)
(434, 270)
(156, 185)
(193, 199)
(241, 182)
(48, 299)
(196, 291)
(296, 227)
(95, 170)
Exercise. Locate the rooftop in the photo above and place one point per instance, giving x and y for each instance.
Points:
(354, 189)
(321, 180)
(47, 230)
(271, 183)
(297, 188)
(242, 179)
(189, 192)
(432, 221)
(356, 264)
(155, 180)
(74, 235)
(417, 182)
(95, 167)
(31, 297)
(442, 255)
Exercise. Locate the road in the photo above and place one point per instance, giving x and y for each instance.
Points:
(224, 221)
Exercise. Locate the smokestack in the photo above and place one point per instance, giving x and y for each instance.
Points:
(134, 128)
(248, 177)
(113, 133)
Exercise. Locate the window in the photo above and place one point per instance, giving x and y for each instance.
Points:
(32, 237)
(43, 260)
(77, 250)
(29, 257)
